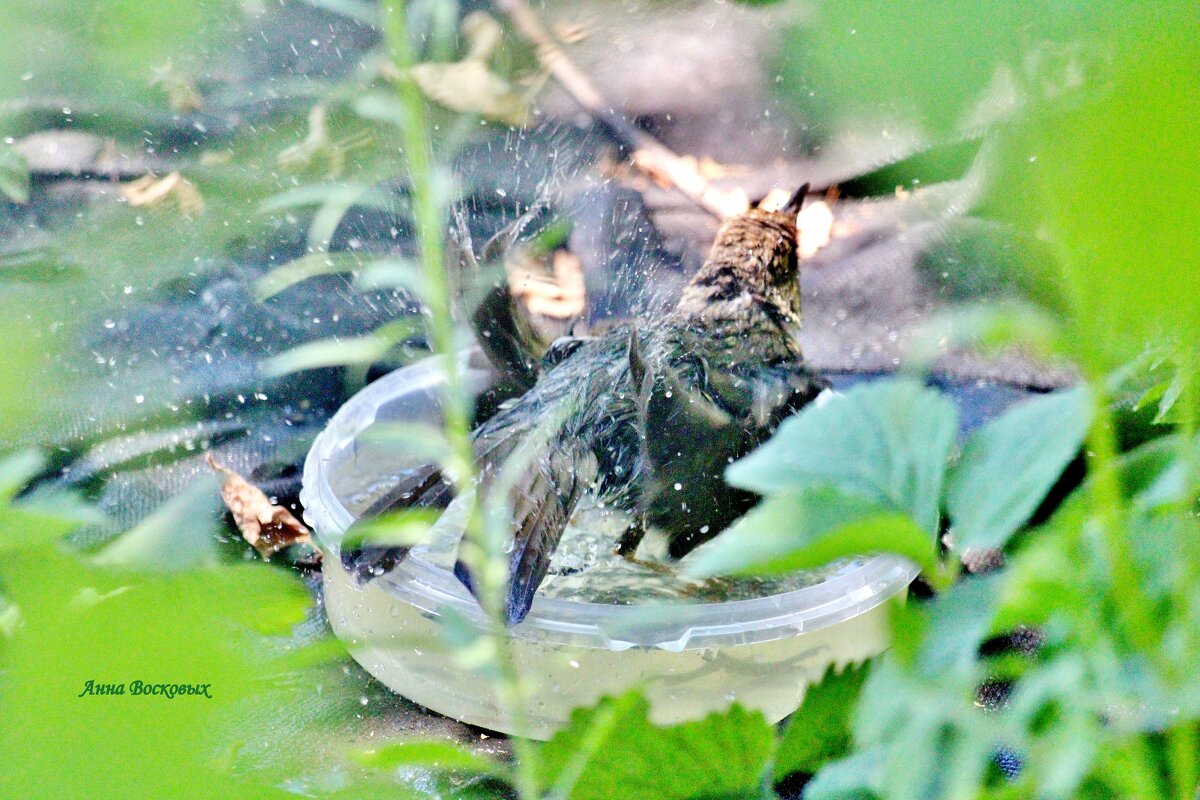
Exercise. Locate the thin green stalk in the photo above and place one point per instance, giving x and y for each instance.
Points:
(1108, 506)
(1182, 752)
(428, 216)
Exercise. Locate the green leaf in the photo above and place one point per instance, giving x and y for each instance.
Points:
(303, 268)
(14, 175)
(857, 777)
(17, 470)
(392, 273)
(1009, 465)
(819, 731)
(340, 352)
(613, 751)
(348, 194)
(181, 534)
(358, 10)
(382, 107)
(433, 755)
(886, 441)
(960, 620)
(419, 441)
(807, 529)
(405, 528)
(989, 328)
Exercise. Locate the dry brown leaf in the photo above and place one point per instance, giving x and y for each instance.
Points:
(470, 85)
(815, 223)
(150, 191)
(266, 527)
(570, 32)
(560, 296)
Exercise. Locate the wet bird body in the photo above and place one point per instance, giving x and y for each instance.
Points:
(647, 416)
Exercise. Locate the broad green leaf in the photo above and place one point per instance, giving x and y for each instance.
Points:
(856, 777)
(613, 752)
(819, 731)
(810, 528)
(14, 175)
(17, 470)
(989, 328)
(1120, 264)
(886, 441)
(933, 742)
(960, 620)
(434, 755)
(40, 518)
(1009, 465)
(181, 534)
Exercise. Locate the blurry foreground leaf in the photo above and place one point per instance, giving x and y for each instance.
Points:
(807, 529)
(886, 441)
(404, 528)
(17, 470)
(989, 328)
(434, 755)
(1009, 465)
(14, 175)
(819, 731)
(856, 777)
(340, 352)
(613, 752)
(181, 534)
(303, 268)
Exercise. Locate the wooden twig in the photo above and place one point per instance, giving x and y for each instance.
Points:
(649, 155)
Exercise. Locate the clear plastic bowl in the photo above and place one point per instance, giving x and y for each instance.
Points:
(689, 659)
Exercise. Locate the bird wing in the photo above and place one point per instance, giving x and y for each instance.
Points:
(695, 419)
(507, 336)
(543, 500)
(424, 487)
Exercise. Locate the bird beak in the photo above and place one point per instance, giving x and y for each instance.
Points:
(794, 202)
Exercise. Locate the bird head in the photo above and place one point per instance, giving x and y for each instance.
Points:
(753, 252)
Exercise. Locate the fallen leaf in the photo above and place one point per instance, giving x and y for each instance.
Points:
(470, 85)
(182, 94)
(570, 32)
(266, 527)
(150, 191)
(815, 223)
(560, 296)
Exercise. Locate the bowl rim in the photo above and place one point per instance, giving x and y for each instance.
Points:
(670, 626)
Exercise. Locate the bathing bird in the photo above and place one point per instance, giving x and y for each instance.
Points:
(645, 417)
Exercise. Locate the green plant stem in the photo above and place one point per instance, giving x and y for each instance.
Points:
(1182, 749)
(428, 215)
(1135, 616)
